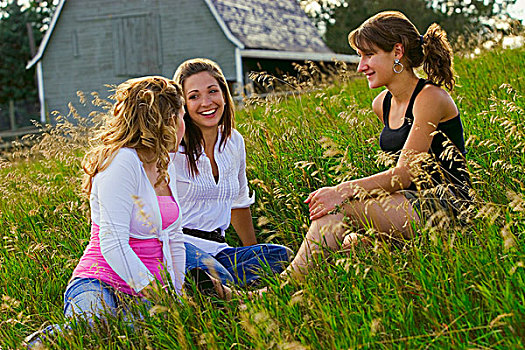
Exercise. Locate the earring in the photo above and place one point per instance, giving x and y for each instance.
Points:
(398, 66)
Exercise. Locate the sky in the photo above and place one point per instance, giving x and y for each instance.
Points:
(518, 10)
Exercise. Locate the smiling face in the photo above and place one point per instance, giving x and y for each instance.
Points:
(204, 100)
(376, 65)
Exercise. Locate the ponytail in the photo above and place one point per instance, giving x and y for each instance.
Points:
(437, 57)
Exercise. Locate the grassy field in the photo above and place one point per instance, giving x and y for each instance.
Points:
(448, 288)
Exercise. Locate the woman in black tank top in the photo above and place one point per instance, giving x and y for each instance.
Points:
(422, 130)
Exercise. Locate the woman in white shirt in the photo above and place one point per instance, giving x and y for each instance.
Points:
(212, 182)
(136, 247)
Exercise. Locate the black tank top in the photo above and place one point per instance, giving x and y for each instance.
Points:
(452, 167)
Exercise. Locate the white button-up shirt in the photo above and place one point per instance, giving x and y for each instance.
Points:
(206, 205)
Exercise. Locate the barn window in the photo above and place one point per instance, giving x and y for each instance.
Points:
(136, 40)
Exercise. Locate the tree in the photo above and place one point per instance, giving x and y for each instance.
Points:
(475, 20)
(17, 23)
(15, 80)
(457, 17)
(321, 12)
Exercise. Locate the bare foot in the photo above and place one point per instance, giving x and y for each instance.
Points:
(284, 280)
(256, 294)
(353, 240)
(223, 292)
(209, 285)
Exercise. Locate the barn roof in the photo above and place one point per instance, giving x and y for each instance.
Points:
(260, 28)
(270, 24)
(45, 39)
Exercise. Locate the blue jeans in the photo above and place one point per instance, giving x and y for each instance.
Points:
(240, 266)
(88, 298)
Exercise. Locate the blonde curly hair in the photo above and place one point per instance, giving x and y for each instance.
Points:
(144, 117)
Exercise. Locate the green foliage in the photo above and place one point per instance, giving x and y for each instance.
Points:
(456, 17)
(448, 288)
(17, 83)
(14, 49)
(350, 17)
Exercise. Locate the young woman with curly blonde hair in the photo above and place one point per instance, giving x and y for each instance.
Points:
(136, 248)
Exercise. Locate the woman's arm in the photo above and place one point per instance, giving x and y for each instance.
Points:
(178, 257)
(241, 216)
(432, 106)
(243, 225)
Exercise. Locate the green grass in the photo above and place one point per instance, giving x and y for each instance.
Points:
(449, 288)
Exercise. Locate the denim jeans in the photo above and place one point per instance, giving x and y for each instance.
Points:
(88, 298)
(240, 266)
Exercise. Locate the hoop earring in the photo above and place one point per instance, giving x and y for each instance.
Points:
(396, 66)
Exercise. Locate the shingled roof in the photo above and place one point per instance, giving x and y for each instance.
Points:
(277, 27)
(270, 24)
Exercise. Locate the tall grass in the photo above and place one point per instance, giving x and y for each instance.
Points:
(449, 288)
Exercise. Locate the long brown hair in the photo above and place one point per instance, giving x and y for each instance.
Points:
(144, 117)
(193, 140)
(432, 50)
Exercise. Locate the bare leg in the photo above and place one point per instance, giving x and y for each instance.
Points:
(390, 216)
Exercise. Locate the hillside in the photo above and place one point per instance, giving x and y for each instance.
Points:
(459, 287)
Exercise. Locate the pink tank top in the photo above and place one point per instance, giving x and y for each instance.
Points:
(93, 265)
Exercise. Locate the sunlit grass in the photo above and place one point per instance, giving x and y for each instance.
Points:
(449, 288)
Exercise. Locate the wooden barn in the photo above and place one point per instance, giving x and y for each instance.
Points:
(93, 43)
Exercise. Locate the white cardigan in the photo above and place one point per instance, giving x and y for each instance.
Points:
(124, 204)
